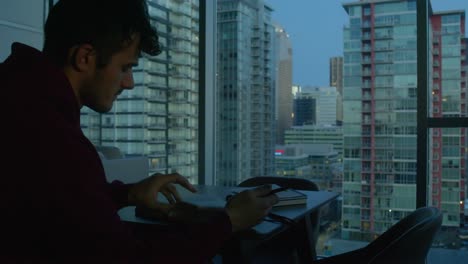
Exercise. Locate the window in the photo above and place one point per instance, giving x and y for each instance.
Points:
(206, 106)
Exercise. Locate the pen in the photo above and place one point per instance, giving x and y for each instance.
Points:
(276, 191)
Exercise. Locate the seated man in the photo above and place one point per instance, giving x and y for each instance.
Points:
(56, 204)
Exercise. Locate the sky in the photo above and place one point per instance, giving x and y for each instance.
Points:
(315, 28)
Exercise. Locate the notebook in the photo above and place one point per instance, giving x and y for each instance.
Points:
(290, 197)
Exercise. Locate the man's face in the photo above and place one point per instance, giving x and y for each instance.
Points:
(106, 83)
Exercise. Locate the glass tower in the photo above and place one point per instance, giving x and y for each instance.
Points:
(245, 107)
(283, 94)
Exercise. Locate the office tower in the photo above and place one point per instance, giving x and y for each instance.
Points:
(339, 109)
(283, 94)
(448, 99)
(380, 108)
(325, 104)
(305, 110)
(159, 117)
(245, 107)
(336, 73)
(336, 80)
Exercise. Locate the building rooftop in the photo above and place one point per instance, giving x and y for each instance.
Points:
(450, 12)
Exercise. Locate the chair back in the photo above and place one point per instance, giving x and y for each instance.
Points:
(408, 241)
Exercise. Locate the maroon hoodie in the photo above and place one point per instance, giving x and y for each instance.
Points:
(56, 203)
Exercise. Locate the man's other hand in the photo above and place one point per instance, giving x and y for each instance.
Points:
(144, 193)
(249, 207)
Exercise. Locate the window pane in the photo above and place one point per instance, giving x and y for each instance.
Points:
(379, 102)
(447, 96)
(446, 182)
(369, 155)
(21, 24)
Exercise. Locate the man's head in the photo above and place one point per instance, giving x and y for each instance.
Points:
(97, 42)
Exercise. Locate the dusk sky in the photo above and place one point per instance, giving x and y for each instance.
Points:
(315, 28)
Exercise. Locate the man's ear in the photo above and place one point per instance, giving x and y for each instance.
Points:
(82, 57)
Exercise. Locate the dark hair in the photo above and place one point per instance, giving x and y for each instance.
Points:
(107, 25)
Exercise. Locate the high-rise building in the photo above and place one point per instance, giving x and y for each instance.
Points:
(380, 109)
(325, 99)
(245, 107)
(448, 99)
(305, 109)
(159, 118)
(284, 98)
(336, 73)
(336, 80)
(379, 101)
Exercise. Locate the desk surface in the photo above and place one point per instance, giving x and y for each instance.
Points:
(214, 196)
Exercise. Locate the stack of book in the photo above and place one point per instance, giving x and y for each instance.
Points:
(290, 197)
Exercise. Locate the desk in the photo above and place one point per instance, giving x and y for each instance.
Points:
(243, 244)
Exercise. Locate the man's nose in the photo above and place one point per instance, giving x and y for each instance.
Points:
(127, 81)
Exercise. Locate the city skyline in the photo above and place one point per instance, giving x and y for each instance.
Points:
(311, 57)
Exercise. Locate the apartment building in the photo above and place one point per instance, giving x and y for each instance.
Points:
(380, 108)
(245, 107)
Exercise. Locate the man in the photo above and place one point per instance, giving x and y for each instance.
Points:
(56, 203)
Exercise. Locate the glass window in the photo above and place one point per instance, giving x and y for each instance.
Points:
(450, 19)
(451, 29)
(405, 31)
(451, 51)
(377, 139)
(452, 63)
(451, 39)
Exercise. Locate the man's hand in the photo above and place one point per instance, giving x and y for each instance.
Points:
(144, 193)
(248, 208)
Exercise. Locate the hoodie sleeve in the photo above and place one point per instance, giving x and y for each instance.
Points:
(119, 193)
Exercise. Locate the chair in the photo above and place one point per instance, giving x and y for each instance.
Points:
(312, 222)
(408, 241)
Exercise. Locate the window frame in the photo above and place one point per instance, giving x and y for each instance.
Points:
(424, 122)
